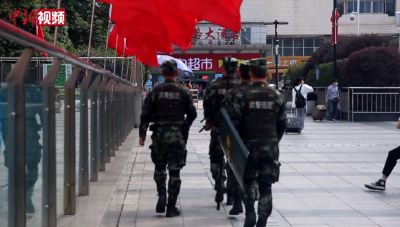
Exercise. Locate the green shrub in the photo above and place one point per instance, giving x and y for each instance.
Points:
(295, 71)
(146, 74)
(325, 74)
(371, 67)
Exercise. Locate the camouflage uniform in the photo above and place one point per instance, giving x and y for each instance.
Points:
(234, 191)
(212, 105)
(168, 103)
(33, 106)
(258, 114)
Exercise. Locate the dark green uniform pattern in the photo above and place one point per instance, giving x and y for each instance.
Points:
(168, 103)
(212, 105)
(232, 184)
(258, 113)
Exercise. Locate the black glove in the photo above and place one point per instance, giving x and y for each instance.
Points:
(185, 131)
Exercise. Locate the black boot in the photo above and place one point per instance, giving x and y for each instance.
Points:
(172, 210)
(262, 222)
(237, 206)
(219, 196)
(162, 199)
(229, 200)
(250, 217)
(30, 208)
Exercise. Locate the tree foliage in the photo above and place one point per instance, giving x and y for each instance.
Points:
(145, 73)
(294, 71)
(325, 74)
(371, 67)
(74, 37)
(324, 54)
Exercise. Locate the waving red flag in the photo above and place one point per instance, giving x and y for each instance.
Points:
(40, 34)
(144, 54)
(179, 25)
(225, 13)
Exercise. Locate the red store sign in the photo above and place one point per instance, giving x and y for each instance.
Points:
(210, 62)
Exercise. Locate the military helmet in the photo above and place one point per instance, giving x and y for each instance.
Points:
(169, 66)
(234, 63)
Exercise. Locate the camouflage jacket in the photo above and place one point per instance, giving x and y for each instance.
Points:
(231, 95)
(168, 103)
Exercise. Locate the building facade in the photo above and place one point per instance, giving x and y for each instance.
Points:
(310, 25)
(212, 42)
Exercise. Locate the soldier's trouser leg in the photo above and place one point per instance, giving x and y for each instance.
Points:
(160, 177)
(264, 203)
(249, 201)
(216, 158)
(230, 184)
(174, 187)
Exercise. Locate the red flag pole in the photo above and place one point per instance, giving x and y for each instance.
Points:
(108, 34)
(123, 58)
(91, 30)
(116, 54)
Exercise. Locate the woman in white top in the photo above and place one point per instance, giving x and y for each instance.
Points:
(303, 89)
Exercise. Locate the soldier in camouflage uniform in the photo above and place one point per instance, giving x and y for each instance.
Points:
(168, 103)
(258, 114)
(212, 105)
(234, 191)
(33, 107)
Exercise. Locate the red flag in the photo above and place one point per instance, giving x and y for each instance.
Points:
(40, 34)
(144, 54)
(225, 13)
(179, 25)
(148, 56)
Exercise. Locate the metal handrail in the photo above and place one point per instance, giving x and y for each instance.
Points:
(369, 87)
(11, 32)
(49, 58)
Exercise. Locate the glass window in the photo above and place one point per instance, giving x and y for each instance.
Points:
(245, 36)
(269, 41)
(308, 42)
(340, 7)
(298, 42)
(319, 42)
(367, 7)
(308, 51)
(288, 42)
(362, 7)
(280, 51)
(350, 7)
(390, 7)
(377, 7)
(287, 51)
(298, 51)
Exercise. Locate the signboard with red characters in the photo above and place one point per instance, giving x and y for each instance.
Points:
(210, 62)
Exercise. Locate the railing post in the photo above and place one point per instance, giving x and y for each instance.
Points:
(111, 121)
(83, 184)
(94, 149)
(116, 122)
(16, 141)
(70, 144)
(109, 98)
(101, 121)
(49, 189)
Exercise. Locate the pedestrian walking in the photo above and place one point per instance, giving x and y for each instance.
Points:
(168, 103)
(390, 163)
(299, 97)
(212, 105)
(333, 99)
(233, 192)
(259, 116)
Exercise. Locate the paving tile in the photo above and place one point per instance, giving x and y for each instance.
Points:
(321, 183)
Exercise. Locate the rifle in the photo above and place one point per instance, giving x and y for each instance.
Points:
(203, 126)
(221, 168)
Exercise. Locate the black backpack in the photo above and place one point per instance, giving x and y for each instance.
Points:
(300, 100)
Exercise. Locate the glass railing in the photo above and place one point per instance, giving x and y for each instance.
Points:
(60, 125)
